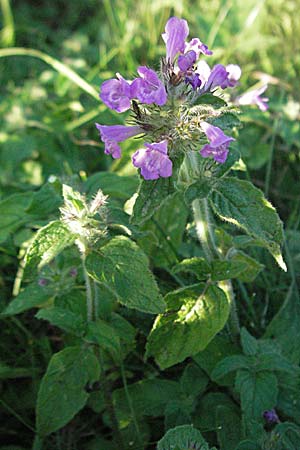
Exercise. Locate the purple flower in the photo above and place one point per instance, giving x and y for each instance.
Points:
(112, 134)
(153, 160)
(43, 282)
(73, 272)
(271, 416)
(186, 61)
(198, 47)
(218, 77)
(218, 143)
(115, 93)
(176, 32)
(253, 98)
(148, 89)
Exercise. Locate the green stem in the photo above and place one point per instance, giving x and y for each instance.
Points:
(136, 426)
(89, 293)
(206, 237)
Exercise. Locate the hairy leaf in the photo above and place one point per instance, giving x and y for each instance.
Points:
(183, 437)
(193, 317)
(123, 267)
(64, 319)
(239, 202)
(230, 364)
(62, 391)
(32, 296)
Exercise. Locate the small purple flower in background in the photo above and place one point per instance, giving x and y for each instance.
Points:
(73, 272)
(253, 98)
(111, 135)
(43, 281)
(176, 32)
(115, 93)
(198, 47)
(153, 160)
(218, 143)
(271, 416)
(148, 88)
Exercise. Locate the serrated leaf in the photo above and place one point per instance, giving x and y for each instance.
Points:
(148, 397)
(48, 242)
(287, 436)
(184, 437)
(224, 270)
(198, 190)
(13, 213)
(62, 391)
(193, 317)
(230, 364)
(45, 200)
(104, 335)
(64, 319)
(249, 343)
(239, 202)
(123, 267)
(32, 296)
(151, 196)
(258, 392)
(226, 121)
(285, 326)
(276, 362)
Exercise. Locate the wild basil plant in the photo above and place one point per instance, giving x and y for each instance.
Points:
(213, 382)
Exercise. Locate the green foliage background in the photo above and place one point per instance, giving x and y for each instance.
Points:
(47, 136)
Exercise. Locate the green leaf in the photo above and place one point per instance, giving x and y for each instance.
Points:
(105, 336)
(123, 267)
(167, 225)
(285, 326)
(249, 343)
(233, 158)
(48, 242)
(148, 397)
(151, 196)
(210, 99)
(248, 445)
(198, 190)
(224, 270)
(183, 437)
(230, 364)
(198, 266)
(229, 427)
(287, 436)
(62, 391)
(239, 202)
(116, 186)
(251, 267)
(32, 296)
(13, 213)
(258, 392)
(193, 317)
(219, 348)
(227, 121)
(276, 362)
(193, 381)
(64, 319)
(45, 201)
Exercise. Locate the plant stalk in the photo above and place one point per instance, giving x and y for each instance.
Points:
(206, 237)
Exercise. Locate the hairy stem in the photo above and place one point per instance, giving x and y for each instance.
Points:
(89, 292)
(206, 237)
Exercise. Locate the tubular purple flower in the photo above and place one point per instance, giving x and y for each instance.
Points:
(186, 61)
(218, 143)
(176, 32)
(198, 47)
(112, 134)
(153, 160)
(115, 93)
(149, 88)
(217, 77)
(253, 98)
(271, 416)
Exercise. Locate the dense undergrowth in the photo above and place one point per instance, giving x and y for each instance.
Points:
(241, 391)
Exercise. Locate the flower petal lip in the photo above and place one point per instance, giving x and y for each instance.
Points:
(115, 93)
(117, 133)
(153, 160)
(253, 98)
(186, 61)
(198, 47)
(176, 32)
(148, 88)
(215, 135)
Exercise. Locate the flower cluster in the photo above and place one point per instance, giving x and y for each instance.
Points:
(164, 105)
